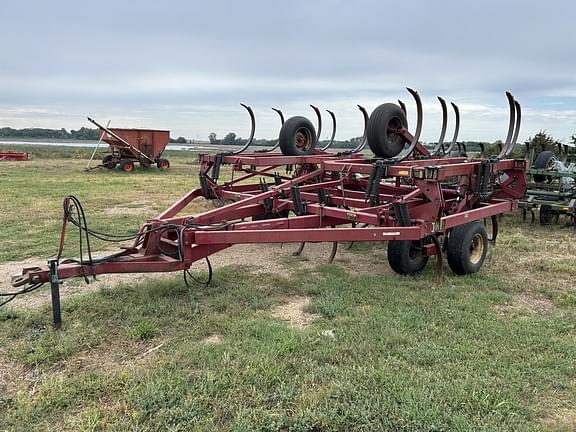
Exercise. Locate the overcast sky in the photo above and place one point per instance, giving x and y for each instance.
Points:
(186, 65)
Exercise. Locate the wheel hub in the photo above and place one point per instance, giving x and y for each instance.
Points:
(476, 248)
(302, 138)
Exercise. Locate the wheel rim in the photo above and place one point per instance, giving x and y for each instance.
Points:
(163, 165)
(415, 253)
(303, 139)
(393, 128)
(128, 167)
(415, 250)
(476, 248)
(551, 164)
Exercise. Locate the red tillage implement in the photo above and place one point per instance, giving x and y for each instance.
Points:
(13, 156)
(129, 146)
(423, 202)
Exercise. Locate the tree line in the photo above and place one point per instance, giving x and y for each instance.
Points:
(232, 139)
(80, 134)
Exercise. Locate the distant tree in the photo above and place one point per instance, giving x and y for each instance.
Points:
(179, 140)
(538, 143)
(212, 138)
(494, 148)
(543, 141)
(85, 134)
(229, 139)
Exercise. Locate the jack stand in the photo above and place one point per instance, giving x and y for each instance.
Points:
(55, 292)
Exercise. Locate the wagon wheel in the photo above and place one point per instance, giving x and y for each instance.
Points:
(163, 164)
(126, 165)
(109, 162)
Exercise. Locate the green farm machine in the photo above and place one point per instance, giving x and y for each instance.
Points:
(551, 185)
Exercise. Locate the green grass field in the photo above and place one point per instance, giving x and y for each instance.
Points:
(369, 350)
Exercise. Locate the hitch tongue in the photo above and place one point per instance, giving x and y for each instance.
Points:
(27, 276)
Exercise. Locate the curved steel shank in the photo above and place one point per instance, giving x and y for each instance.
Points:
(333, 116)
(319, 117)
(402, 106)
(251, 139)
(364, 140)
(456, 129)
(440, 143)
(419, 121)
(281, 124)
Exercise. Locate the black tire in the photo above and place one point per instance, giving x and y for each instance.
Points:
(544, 161)
(382, 139)
(297, 137)
(467, 248)
(163, 164)
(109, 162)
(548, 216)
(127, 165)
(405, 256)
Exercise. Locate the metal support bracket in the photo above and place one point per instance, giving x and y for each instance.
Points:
(402, 215)
(216, 167)
(322, 198)
(205, 187)
(373, 190)
(483, 181)
(267, 203)
(299, 208)
(55, 293)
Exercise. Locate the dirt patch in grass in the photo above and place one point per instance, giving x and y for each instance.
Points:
(562, 420)
(213, 339)
(110, 357)
(526, 303)
(557, 412)
(135, 208)
(293, 312)
(10, 374)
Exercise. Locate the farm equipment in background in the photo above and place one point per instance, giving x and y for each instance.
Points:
(13, 156)
(551, 186)
(424, 203)
(131, 146)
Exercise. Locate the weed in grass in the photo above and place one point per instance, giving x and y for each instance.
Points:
(144, 330)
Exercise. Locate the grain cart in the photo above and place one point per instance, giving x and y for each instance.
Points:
(424, 203)
(131, 146)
